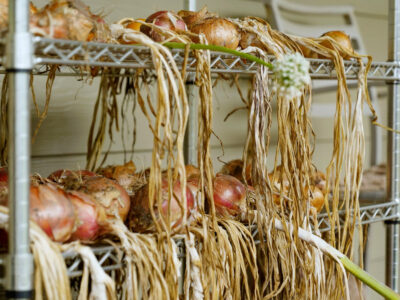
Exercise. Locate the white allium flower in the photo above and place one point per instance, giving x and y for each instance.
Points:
(291, 75)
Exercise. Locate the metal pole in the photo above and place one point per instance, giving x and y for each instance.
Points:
(189, 5)
(190, 145)
(393, 161)
(19, 272)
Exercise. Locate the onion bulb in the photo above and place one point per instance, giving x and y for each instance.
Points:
(90, 217)
(229, 195)
(51, 209)
(140, 218)
(165, 20)
(218, 31)
(342, 39)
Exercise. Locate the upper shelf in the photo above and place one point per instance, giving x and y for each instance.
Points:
(74, 53)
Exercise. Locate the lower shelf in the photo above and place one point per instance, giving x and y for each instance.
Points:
(372, 210)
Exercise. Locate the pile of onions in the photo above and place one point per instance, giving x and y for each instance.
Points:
(163, 19)
(96, 200)
(140, 218)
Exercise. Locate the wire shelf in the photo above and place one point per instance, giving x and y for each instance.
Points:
(74, 53)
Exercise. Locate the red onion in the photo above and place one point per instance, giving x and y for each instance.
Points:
(51, 209)
(163, 19)
(140, 218)
(229, 195)
(90, 217)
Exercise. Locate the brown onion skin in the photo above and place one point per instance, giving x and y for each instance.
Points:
(163, 19)
(109, 194)
(342, 39)
(51, 209)
(140, 218)
(218, 31)
(229, 195)
(106, 192)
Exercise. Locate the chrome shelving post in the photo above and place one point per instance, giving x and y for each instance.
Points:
(19, 271)
(393, 162)
(190, 146)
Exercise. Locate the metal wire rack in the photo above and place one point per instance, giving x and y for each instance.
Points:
(76, 54)
(73, 53)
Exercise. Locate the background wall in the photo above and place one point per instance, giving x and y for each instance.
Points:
(61, 142)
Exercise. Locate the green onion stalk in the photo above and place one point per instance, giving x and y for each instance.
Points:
(291, 75)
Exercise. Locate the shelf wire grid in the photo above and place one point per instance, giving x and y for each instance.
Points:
(74, 53)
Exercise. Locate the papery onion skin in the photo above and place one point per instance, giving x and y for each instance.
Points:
(109, 194)
(163, 19)
(140, 218)
(342, 39)
(106, 192)
(51, 209)
(219, 32)
(229, 195)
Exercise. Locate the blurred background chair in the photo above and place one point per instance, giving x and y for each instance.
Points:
(282, 16)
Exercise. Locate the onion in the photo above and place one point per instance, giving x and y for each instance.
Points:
(229, 195)
(218, 31)
(51, 209)
(106, 192)
(342, 39)
(163, 19)
(140, 218)
(90, 217)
